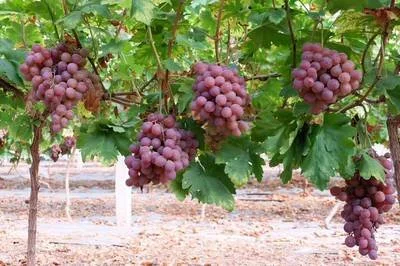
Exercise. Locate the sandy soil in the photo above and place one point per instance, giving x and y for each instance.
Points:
(283, 226)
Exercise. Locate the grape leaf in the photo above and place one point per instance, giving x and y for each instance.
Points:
(394, 97)
(8, 69)
(142, 10)
(257, 164)
(369, 167)
(72, 19)
(184, 94)
(234, 153)
(97, 144)
(241, 157)
(266, 35)
(276, 15)
(176, 187)
(336, 5)
(21, 128)
(207, 182)
(331, 147)
(293, 157)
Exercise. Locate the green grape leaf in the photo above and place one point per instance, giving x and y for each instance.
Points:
(394, 97)
(331, 147)
(369, 167)
(234, 153)
(8, 70)
(241, 157)
(207, 182)
(276, 15)
(266, 35)
(336, 5)
(72, 19)
(177, 189)
(142, 10)
(257, 166)
(21, 128)
(99, 144)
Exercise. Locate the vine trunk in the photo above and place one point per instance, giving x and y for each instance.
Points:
(33, 200)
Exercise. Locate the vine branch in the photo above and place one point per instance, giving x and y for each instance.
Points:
(378, 75)
(7, 86)
(263, 77)
(119, 101)
(217, 31)
(53, 20)
(364, 54)
(153, 47)
(134, 92)
(165, 84)
(292, 37)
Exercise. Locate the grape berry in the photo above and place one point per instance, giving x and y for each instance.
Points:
(220, 99)
(65, 148)
(323, 76)
(366, 201)
(59, 79)
(163, 149)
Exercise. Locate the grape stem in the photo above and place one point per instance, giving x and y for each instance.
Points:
(263, 77)
(119, 101)
(292, 37)
(135, 92)
(153, 47)
(165, 83)
(228, 43)
(52, 20)
(217, 35)
(378, 76)
(364, 55)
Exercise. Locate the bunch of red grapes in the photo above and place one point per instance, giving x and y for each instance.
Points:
(163, 149)
(323, 76)
(65, 148)
(366, 201)
(59, 79)
(221, 98)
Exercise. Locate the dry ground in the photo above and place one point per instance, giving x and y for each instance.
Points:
(283, 227)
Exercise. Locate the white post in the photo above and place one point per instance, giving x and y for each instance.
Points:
(78, 160)
(123, 194)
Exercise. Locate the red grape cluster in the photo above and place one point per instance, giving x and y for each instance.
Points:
(64, 148)
(221, 98)
(59, 79)
(366, 201)
(55, 152)
(162, 151)
(324, 75)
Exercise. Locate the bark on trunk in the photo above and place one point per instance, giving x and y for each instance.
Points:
(33, 201)
(392, 126)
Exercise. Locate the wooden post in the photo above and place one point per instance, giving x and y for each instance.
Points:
(392, 127)
(67, 190)
(123, 194)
